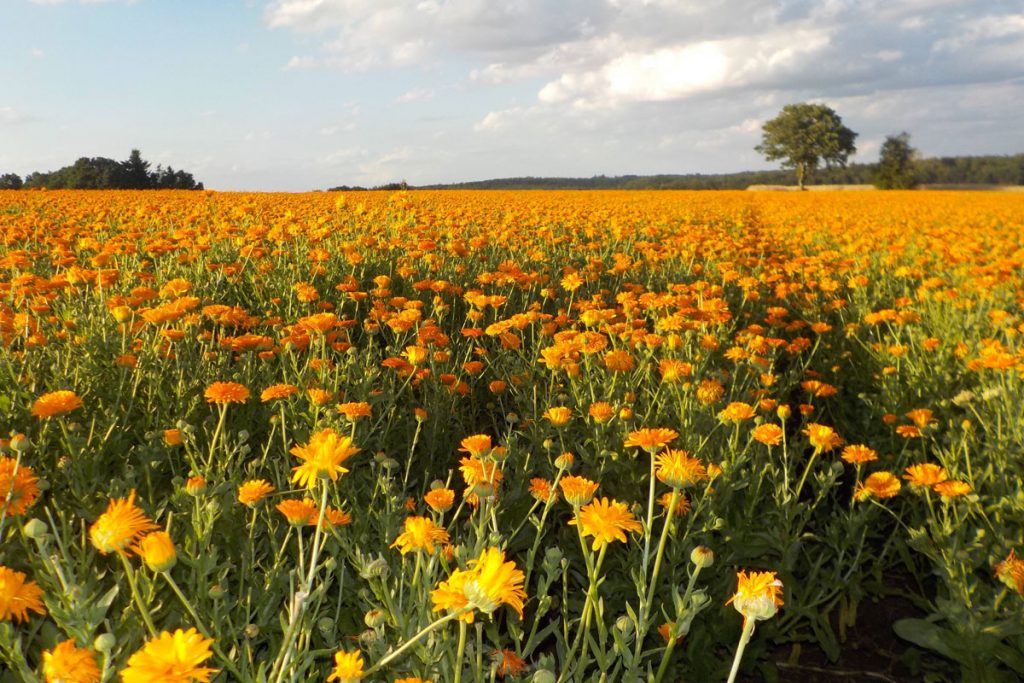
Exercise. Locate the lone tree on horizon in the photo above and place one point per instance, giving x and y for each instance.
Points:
(805, 134)
(896, 164)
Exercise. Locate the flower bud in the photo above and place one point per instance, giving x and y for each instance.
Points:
(702, 557)
(374, 618)
(104, 642)
(35, 529)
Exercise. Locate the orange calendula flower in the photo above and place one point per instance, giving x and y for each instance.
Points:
(252, 492)
(68, 663)
(921, 417)
(172, 437)
(558, 416)
(55, 403)
(769, 434)
(508, 663)
(171, 658)
(909, 431)
(223, 393)
(489, 583)
(737, 412)
(880, 485)
(476, 445)
(1011, 572)
(541, 489)
(157, 550)
(952, 488)
(440, 500)
(348, 667)
(420, 534)
(195, 486)
(606, 521)
(120, 526)
(322, 457)
(677, 469)
(278, 391)
(333, 518)
(18, 596)
(601, 411)
(299, 512)
(822, 437)
(619, 361)
(578, 491)
(482, 477)
(650, 439)
(758, 595)
(925, 475)
(356, 410)
(20, 483)
(682, 507)
(710, 391)
(858, 453)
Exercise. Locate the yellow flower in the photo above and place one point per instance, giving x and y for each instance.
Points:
(558, 416)
(858, 453)
(299, 512)
(171, 658)
(578, 491)
(758, 595)
(120, 526)
(278, 391)
(68, 663)
(322, 457)
(55, 403)
(489, 583)
(348, 667)
(879, 485)
(223, 393)
(925, 475)
(481, 477)
(420, 534)
(253, 491)
(195, 486)
(157, 551)
(18, 482)
(651, 439)
(823, 438)
(737, 412)
(476, 445)
(606, 521)
(952, 488)
(17, 596)
(677, 469)
(1011, 572)
(172, 437)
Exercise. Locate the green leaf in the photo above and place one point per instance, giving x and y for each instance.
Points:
(923, 634)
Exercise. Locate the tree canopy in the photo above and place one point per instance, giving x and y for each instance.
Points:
(896, 164)
(101, 173)
(804, 135)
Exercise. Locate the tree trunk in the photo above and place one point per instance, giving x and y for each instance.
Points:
(801, 171)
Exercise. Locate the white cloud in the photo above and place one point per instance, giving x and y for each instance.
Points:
(11, 116)
(297, 62)
(416, 95)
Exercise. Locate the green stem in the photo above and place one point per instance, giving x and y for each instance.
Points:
(412, 641)
(460, 652)
(199, 624)
(748, 630)
(135, 594)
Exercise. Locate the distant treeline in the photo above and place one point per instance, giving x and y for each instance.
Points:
(980, 170)
(100, 173)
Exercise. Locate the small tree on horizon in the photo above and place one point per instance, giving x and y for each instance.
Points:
(896, 164)
(804, 135)
(10, 181)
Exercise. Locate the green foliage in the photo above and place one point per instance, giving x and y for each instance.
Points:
(896, 164)
(10, 181)
(101, 173)
(804, 135)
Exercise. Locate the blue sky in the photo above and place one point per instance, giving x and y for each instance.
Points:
(306, 94)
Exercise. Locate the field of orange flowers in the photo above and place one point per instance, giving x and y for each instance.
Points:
(549, 437)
